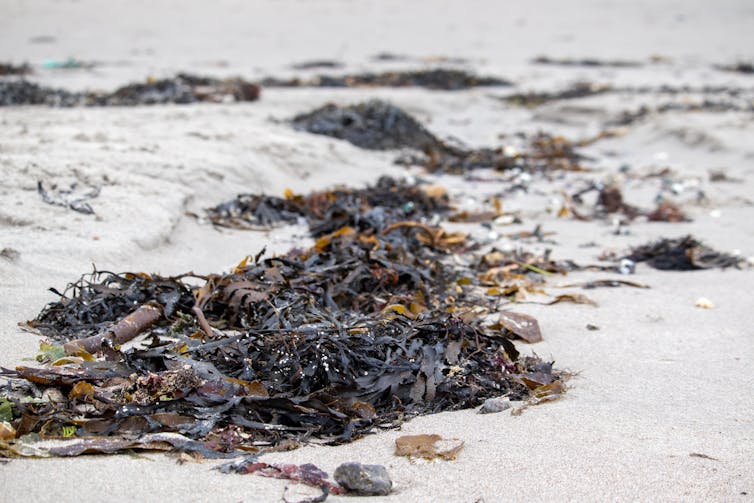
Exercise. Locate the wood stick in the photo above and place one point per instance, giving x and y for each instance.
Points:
(123, 331)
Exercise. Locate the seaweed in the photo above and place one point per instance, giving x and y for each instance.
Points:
(181, 89)
(740, 67)
(372, 325)
(437, 78)
(586, 62)
(373, 125)
(379, 125)
(683, 254)
(11, 69)
(577, 90)
(388, 201)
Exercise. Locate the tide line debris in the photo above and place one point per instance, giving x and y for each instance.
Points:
(181, 89)
(436, 78)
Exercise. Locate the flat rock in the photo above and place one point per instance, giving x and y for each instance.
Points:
(366, 480)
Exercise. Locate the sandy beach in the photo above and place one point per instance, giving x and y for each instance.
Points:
(660, 406)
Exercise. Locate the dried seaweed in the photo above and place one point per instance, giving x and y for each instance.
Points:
(374, 207)
(378, 125)
(21, 92)
(183, 88)
(11, 69)
(578, 90)
(71, 197)
(740, 67)
(372, 325)
(586, 62)
(682, 254)
(374, 125)
(317, 63)
(438, 78)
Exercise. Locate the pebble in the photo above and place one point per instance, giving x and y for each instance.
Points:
(366, 480)
(497, 404)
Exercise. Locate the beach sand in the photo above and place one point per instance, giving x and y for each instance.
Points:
(659, 384)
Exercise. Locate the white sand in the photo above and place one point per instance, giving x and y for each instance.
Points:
(660, 380)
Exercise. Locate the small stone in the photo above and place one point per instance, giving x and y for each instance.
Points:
(492, 405)
(590, 326)
(366, 480)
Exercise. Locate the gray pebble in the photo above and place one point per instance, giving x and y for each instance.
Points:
(498, 404)
(366, 480)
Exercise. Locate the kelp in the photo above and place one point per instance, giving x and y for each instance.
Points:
(683, 254)
(374, 324)
(436, 78)
(379, 125)
(181, 89)
(388, 201)
(373, 125)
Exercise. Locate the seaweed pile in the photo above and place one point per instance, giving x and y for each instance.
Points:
(377, 322)
(379, 125)
(373, 125)
(374, 207)
(182, 88)
(683, 254)
(439, 79)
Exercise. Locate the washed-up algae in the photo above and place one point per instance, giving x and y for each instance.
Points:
(181, 89)
(587, 62)
(710, 98)
(374, 324)
(578, 90)
(11, 69)
(374, 207)
(438, 78)
(379, 125)
(683, 254)
(373, 125)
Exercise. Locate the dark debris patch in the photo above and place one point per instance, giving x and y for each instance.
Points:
(740, 67)
(379, 125)
(578, 90)
(586, 62)
(374, 125)
(21, 92)
(437, 79)
(11, 69)
(683, 254)
(374, 207)
(180, 89)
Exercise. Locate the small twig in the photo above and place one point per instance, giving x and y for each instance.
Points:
(123, 331)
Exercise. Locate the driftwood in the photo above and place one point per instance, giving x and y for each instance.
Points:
(123, 331)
